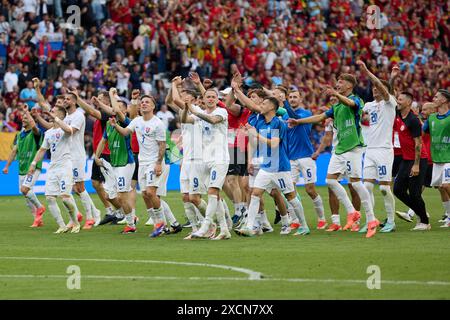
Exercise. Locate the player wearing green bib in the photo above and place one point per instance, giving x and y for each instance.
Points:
(118, 182)
(26, 144)
(438, 125)
(347, 157)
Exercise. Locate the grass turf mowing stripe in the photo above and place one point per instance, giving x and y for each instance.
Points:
(151, 278)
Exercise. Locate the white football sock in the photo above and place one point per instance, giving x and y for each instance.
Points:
(221, 217)
(211, 210)
(70, 206)
(340, 193)
(291, 214)
(336, 219)
(411, 213)
(109, 211)
(190, 214)
(389, 202)
(34, 200)
(169, 214)
(252, 211)
(31, 206)
(202, 207)
(365, 199)
(284, 220)
(227, 214)
(369, 186)
(446, 205)
(129, 218)
(264, 220)
(318, 206)
(86, 201)
(54, 210)
(237, 208)
(299, 212)
(158, 215)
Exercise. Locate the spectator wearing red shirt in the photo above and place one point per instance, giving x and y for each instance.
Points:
(411, 175)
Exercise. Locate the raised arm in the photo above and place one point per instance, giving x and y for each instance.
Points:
(176, 98)
(291, 113)
(123, 131)
(375, 81)
(345, 100)
(198, 83)
(103, 107)
(134, 107)
(232, 107)
(213, 119)
(37, 116)
(64, 126)
(313, 119)
(31, 121)
(169, 101)
(40, 98)
(115, 105)
(86, 107)
(185, 118)
(246, 101)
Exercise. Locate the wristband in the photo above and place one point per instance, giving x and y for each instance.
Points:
(33, 163)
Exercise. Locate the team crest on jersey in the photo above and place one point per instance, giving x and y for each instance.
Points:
(147, 130)
(402, 128)
(58, 135)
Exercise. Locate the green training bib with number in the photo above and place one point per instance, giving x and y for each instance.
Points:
(348, 123)
(117, 146)
(440, 138)
(27, 146)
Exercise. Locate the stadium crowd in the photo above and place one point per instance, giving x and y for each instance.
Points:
(142, 44)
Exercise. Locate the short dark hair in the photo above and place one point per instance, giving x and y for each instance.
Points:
(59, 96)
(445, 93)
(349, 78)
(409, 94)
(274, 101)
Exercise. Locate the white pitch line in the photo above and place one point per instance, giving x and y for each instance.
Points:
(151, 278)
(252, 275)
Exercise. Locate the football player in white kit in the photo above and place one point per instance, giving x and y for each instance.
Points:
(191, 152)
(210, 173)
(59, 174)
(76, 120)
(153, 171)
(377, 135)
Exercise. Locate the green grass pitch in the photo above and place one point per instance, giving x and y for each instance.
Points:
(413, 265)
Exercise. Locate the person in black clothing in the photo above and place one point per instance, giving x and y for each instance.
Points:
(411, 175)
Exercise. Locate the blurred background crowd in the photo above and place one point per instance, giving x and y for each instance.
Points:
(143, 44)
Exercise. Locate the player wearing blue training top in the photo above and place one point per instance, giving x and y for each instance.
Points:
(300, 152)
(271, 135)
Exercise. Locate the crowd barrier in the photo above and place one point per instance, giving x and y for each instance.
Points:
(9, 183)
